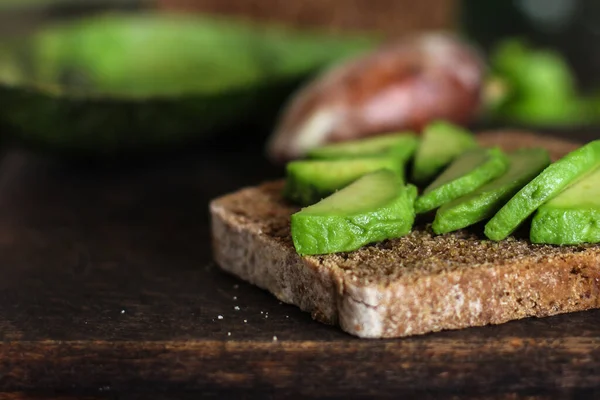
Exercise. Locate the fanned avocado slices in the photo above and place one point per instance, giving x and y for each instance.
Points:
(376, 207)
(467, 173)
(572, 217)
(401, 145)
(549, 183)
(441, 143)
(524, 165)
(308, 181)
(116, 82)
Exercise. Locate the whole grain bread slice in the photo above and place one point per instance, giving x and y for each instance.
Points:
(413, 285)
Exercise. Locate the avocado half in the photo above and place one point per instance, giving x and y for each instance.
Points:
(119, 82)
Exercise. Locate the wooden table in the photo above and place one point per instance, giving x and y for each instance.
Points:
(108, 290)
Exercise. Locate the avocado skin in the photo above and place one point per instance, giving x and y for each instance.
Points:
(67, 89)
(108, 126)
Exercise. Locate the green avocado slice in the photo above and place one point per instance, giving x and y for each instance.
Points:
(401, 145)
(468, 172)
(524, 165)
(549, 183)
(441, 143)
(308, 181)
(572, 217)
(376, 207)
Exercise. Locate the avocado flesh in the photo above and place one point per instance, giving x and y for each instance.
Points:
(400, 145)
(116, 82)
(572, 217)
(467, 173)
(309, 181)
(524, 165)
(376, 207)
(549, 183)
(441, 143)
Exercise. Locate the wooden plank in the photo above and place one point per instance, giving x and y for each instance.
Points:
(107, 286)
(382, 16)
(441, 364)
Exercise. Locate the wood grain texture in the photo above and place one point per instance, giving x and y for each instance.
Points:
(391, 17)
(108, 290)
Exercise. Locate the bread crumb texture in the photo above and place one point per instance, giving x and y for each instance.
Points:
(419, 254)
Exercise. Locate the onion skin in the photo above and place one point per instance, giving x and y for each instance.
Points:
(403, 85)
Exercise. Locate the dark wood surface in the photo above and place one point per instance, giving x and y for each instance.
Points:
(108, 290)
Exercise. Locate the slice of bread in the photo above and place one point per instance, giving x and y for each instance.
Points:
(417, 284)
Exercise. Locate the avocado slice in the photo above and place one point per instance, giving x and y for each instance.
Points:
(524, 165)
(308, 181)
(572, 217)
(549, 183)
(116, 82)
(467, 173)
(401, 145)
(441, 143)
(376, 207)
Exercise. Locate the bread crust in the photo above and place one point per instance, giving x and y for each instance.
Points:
(413, 285)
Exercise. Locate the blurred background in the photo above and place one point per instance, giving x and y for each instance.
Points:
(99, 78)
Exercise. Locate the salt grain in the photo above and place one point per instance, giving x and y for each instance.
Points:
(219, 316)
(236, 308)
(274, 338)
